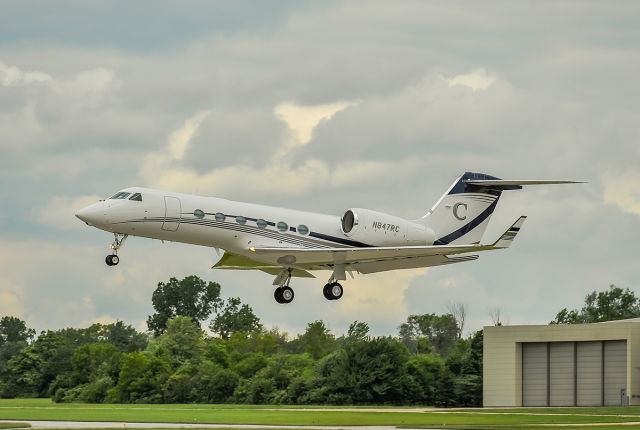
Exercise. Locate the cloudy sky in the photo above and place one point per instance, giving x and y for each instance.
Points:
(319, 106)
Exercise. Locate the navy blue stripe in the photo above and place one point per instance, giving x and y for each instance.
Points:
(467, 228)
(300, 241)
(339, 240)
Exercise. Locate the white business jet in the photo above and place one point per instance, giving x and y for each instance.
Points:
(290, 243)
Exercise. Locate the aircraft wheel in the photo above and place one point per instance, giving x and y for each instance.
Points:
(108, 260)
(114, 260)
(333, 291)
(336, 291)
(325, 292)
(286, 294)
(277, 294)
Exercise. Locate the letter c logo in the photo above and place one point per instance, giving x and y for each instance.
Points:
(455, 211)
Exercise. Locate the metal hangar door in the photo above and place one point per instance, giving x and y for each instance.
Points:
(574, 373)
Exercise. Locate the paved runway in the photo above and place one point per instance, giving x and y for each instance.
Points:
(110, 424)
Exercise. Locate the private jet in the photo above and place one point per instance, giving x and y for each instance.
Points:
(290, 243)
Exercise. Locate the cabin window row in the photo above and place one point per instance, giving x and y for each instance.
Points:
(282, 226)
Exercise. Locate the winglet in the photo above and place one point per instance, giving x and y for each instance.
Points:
(507, 237)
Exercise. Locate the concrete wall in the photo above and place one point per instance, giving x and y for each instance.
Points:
(502, 363)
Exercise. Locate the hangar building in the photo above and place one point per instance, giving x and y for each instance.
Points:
(562, 365)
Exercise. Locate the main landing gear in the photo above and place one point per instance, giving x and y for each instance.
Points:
(332, 290)
(284, 293)
(118, 241)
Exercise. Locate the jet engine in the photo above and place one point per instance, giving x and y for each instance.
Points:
(380, 229)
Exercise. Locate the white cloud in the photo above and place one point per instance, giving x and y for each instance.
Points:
(622, 191)
(14, 76)
(10, 302)
(478, 79)
(379, 297)
(158, 166)
(301, 120)
(59, 212)
(162, 168)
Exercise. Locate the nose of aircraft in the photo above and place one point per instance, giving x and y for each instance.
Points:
(90, 214)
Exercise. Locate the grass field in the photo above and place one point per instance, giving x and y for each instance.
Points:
(44, 409)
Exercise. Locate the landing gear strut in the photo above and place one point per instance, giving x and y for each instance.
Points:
(118, 241)
(332, 290)
(284, 293)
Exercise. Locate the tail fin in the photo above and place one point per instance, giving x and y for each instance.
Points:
(462, 214)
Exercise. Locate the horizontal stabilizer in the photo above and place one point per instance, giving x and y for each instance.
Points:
(500, 183)
(507, 237)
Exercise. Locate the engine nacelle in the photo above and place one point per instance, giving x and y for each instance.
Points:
(380, 229)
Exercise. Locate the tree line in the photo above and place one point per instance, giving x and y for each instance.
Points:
(429, 362)
(240, 360)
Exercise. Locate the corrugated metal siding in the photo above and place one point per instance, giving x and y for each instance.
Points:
(589, 374)
(534, 374)
(561, 374)
(615, 371)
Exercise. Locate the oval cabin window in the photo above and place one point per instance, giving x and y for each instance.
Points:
(282, 226)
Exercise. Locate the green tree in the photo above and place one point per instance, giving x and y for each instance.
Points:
(422, 332)
(124, 337)
(14, 338)
(13, 329)
(358, 330)
(235, 317)
(425, 371)
(88, 359)
(217, 385)
(472, 364)
(183, 341)
(317, 340)
(191, 297)
(142, 379)
(609, 305)
(373, 371)
(34, 369)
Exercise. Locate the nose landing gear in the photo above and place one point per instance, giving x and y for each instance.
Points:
(112, 260)
(118, 241)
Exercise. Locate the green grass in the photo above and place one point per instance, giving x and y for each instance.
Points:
(43, 409)
(6, 425)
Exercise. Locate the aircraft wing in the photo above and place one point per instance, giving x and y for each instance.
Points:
(427, 255)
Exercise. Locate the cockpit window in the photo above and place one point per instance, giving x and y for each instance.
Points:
(136, 196)
(120, 196)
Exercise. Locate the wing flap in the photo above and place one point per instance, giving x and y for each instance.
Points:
(231, 261)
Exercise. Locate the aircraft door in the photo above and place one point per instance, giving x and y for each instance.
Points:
(172, 213)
